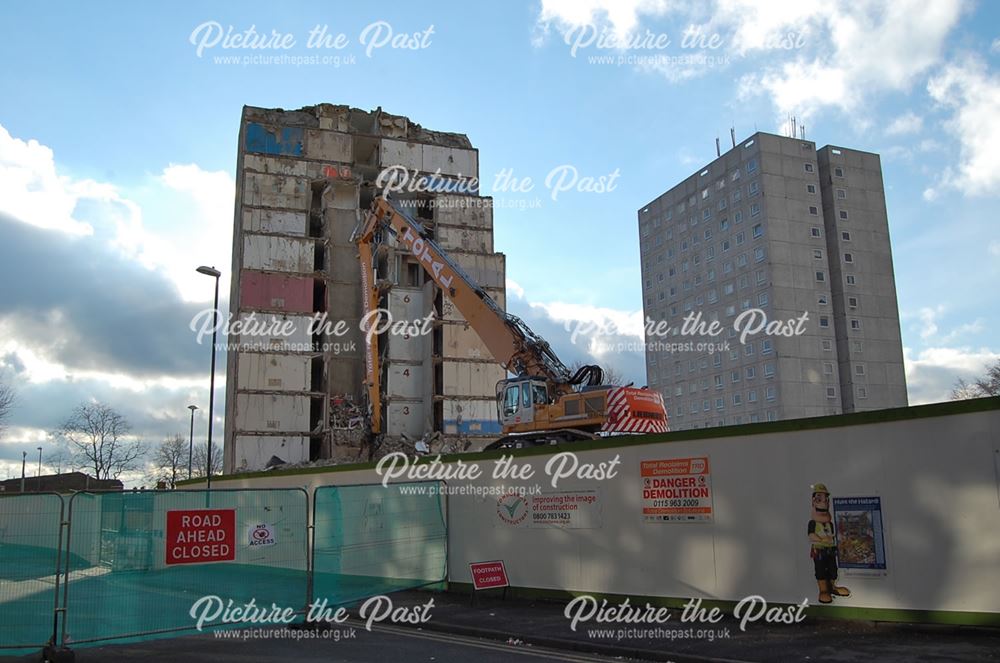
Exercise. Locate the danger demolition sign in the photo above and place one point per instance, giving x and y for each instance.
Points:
(677, 490)
(195, 536)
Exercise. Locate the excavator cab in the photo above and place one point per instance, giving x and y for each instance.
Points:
(517, 398)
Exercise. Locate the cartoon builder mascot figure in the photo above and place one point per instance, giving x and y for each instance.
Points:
(824, 546)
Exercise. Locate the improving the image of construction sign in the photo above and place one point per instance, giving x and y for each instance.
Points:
(676, 490)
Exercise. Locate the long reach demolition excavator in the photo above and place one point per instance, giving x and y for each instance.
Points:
(544, 403)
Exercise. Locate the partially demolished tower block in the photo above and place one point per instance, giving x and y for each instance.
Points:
(295, 389)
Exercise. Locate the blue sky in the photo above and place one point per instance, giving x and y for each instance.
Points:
(118, 148)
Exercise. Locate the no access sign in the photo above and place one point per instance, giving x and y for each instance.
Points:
(195, 536)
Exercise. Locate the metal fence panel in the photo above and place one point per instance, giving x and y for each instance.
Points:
(30, 538)
(139, 560)
(374, 539)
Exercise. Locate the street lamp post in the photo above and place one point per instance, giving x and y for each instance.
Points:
(191, 439)
(213, 272)
(24, 457)
(39, 469)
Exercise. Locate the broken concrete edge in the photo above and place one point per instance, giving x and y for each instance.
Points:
(949, 408)
(309, 117)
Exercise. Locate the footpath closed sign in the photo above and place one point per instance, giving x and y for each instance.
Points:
(487, 575)
(195, 536)
(677, 490)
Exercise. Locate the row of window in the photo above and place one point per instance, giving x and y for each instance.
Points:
(753, 189)
(671, 292)
(727, 243)
(849, 279)
(751, 167)
(668, 235)
(743, 281)
(841, 214)
(848, 257)
(680, 409)
(816, 233)
(719, 380)
(701, 364)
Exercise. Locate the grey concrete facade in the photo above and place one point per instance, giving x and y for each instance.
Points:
(751, 237)
(304, 180)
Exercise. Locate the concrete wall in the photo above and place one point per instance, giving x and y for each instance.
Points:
(935, 469)
(303, 180)
(761, 227)
(863, 283)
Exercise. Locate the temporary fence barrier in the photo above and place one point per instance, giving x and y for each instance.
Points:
(30, 545)
(102, 566)
(139, 561)
(372, 539)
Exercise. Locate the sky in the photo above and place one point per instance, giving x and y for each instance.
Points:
(118, 132)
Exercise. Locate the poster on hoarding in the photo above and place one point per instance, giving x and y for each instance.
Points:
(860, 536)
(573, 509)
(676, 490)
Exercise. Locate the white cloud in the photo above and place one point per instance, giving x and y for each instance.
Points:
(621, 15)
(927, 323)
(995, 46)
(907, 123)
(213, 193)
(819, 53)
(34, 191)
(928, 319)
(972, 93)
(515, 288)
(932, 372)
(610, 337)
(994, 248)
(858, 49)
(603, 321)
(38, 368)
(26, 434)
(606, 26)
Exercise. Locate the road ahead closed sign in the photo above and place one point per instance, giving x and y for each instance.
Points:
(196, 536)
(676, 490)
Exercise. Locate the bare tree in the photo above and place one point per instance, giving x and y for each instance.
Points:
(612, 376)
(6, 403)
(62, 458)
(987, 385)
(100, 439)
(200, 463)
(170, 461)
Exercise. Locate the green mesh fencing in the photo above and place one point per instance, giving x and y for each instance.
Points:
(139, 560)
(29, 557)
(370, 540)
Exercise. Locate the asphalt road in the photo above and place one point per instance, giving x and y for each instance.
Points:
(352, 644)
